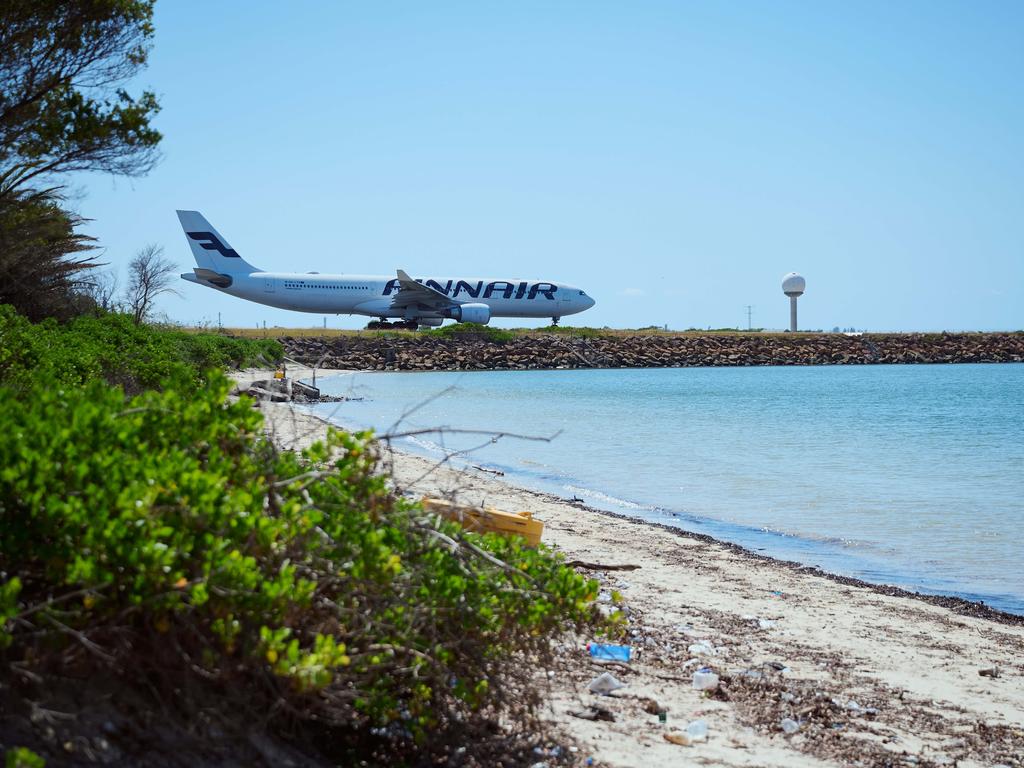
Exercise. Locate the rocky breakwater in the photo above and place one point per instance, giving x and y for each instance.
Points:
(531, 351)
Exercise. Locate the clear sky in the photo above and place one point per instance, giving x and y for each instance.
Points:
(675, 159)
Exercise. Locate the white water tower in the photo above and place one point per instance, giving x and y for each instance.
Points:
(793, 286)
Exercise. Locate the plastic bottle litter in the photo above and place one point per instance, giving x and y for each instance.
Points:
(705, 680)
(609, 652)
(697, 730)
(701, 648)
(604, 684)
(789, 725)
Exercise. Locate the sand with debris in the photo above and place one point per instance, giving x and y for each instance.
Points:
(871, 676)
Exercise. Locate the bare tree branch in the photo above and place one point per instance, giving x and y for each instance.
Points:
(149, 275)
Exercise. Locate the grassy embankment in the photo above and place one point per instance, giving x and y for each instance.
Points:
(155, 546)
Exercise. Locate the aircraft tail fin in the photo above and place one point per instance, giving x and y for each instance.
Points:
(210, 250)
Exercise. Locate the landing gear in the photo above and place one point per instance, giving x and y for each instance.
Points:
(554, 321)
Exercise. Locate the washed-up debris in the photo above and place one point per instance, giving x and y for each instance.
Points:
(605, 684)
(488, 519)
(674, 737)
(789, 726)
(652, 707)
(497, 472)
(593, 712)
(600, 566)
(281, 389)
(704, 679)
(609, 652)
(702, 648)
(992, 672)
(697, 730)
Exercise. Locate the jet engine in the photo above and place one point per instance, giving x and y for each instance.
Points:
(472, 313)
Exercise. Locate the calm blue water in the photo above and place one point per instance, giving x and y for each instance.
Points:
(908, 475)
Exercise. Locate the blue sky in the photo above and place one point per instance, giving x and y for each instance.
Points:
(675, 159)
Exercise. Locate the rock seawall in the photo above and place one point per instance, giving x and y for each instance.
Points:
(421, 352)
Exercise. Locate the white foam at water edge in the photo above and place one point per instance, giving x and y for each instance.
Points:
(430, 445)
(599, 496)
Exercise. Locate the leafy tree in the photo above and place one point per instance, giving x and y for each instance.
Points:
(149, 275)
(42, 258)
(62, 107)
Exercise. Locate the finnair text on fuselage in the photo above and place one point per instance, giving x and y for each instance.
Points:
(424, 301)
(520, 289)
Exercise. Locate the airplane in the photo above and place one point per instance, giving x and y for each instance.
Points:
(414, 303)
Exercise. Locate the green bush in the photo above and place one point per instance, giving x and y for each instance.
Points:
(484, 332)
(173, 537)
(20, 757)
(569, 330)
(113, 348)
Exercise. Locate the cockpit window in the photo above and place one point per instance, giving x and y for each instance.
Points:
(582, 293)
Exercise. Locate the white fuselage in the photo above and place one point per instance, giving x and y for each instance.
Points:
(372, 295)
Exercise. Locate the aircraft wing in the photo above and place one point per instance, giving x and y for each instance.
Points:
(413, 294)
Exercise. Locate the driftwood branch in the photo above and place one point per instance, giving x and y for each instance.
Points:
(599, 566)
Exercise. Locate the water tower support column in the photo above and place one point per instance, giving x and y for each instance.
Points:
(793, 286)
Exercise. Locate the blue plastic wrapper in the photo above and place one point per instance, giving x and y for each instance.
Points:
(609, 652)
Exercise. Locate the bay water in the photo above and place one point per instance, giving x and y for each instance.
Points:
(909, 475)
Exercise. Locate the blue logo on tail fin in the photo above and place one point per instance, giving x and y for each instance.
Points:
(213, 244)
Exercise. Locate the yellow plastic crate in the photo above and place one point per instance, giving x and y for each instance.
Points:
(488, 519)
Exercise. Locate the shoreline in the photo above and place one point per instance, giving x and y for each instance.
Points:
(906, 672)
(849, 556)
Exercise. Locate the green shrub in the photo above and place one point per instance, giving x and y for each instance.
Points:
(113, 348)
(569, 330)
(484, 332)
(20, 757)
(167, 532)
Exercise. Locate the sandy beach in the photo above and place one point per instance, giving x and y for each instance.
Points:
(868, 675)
